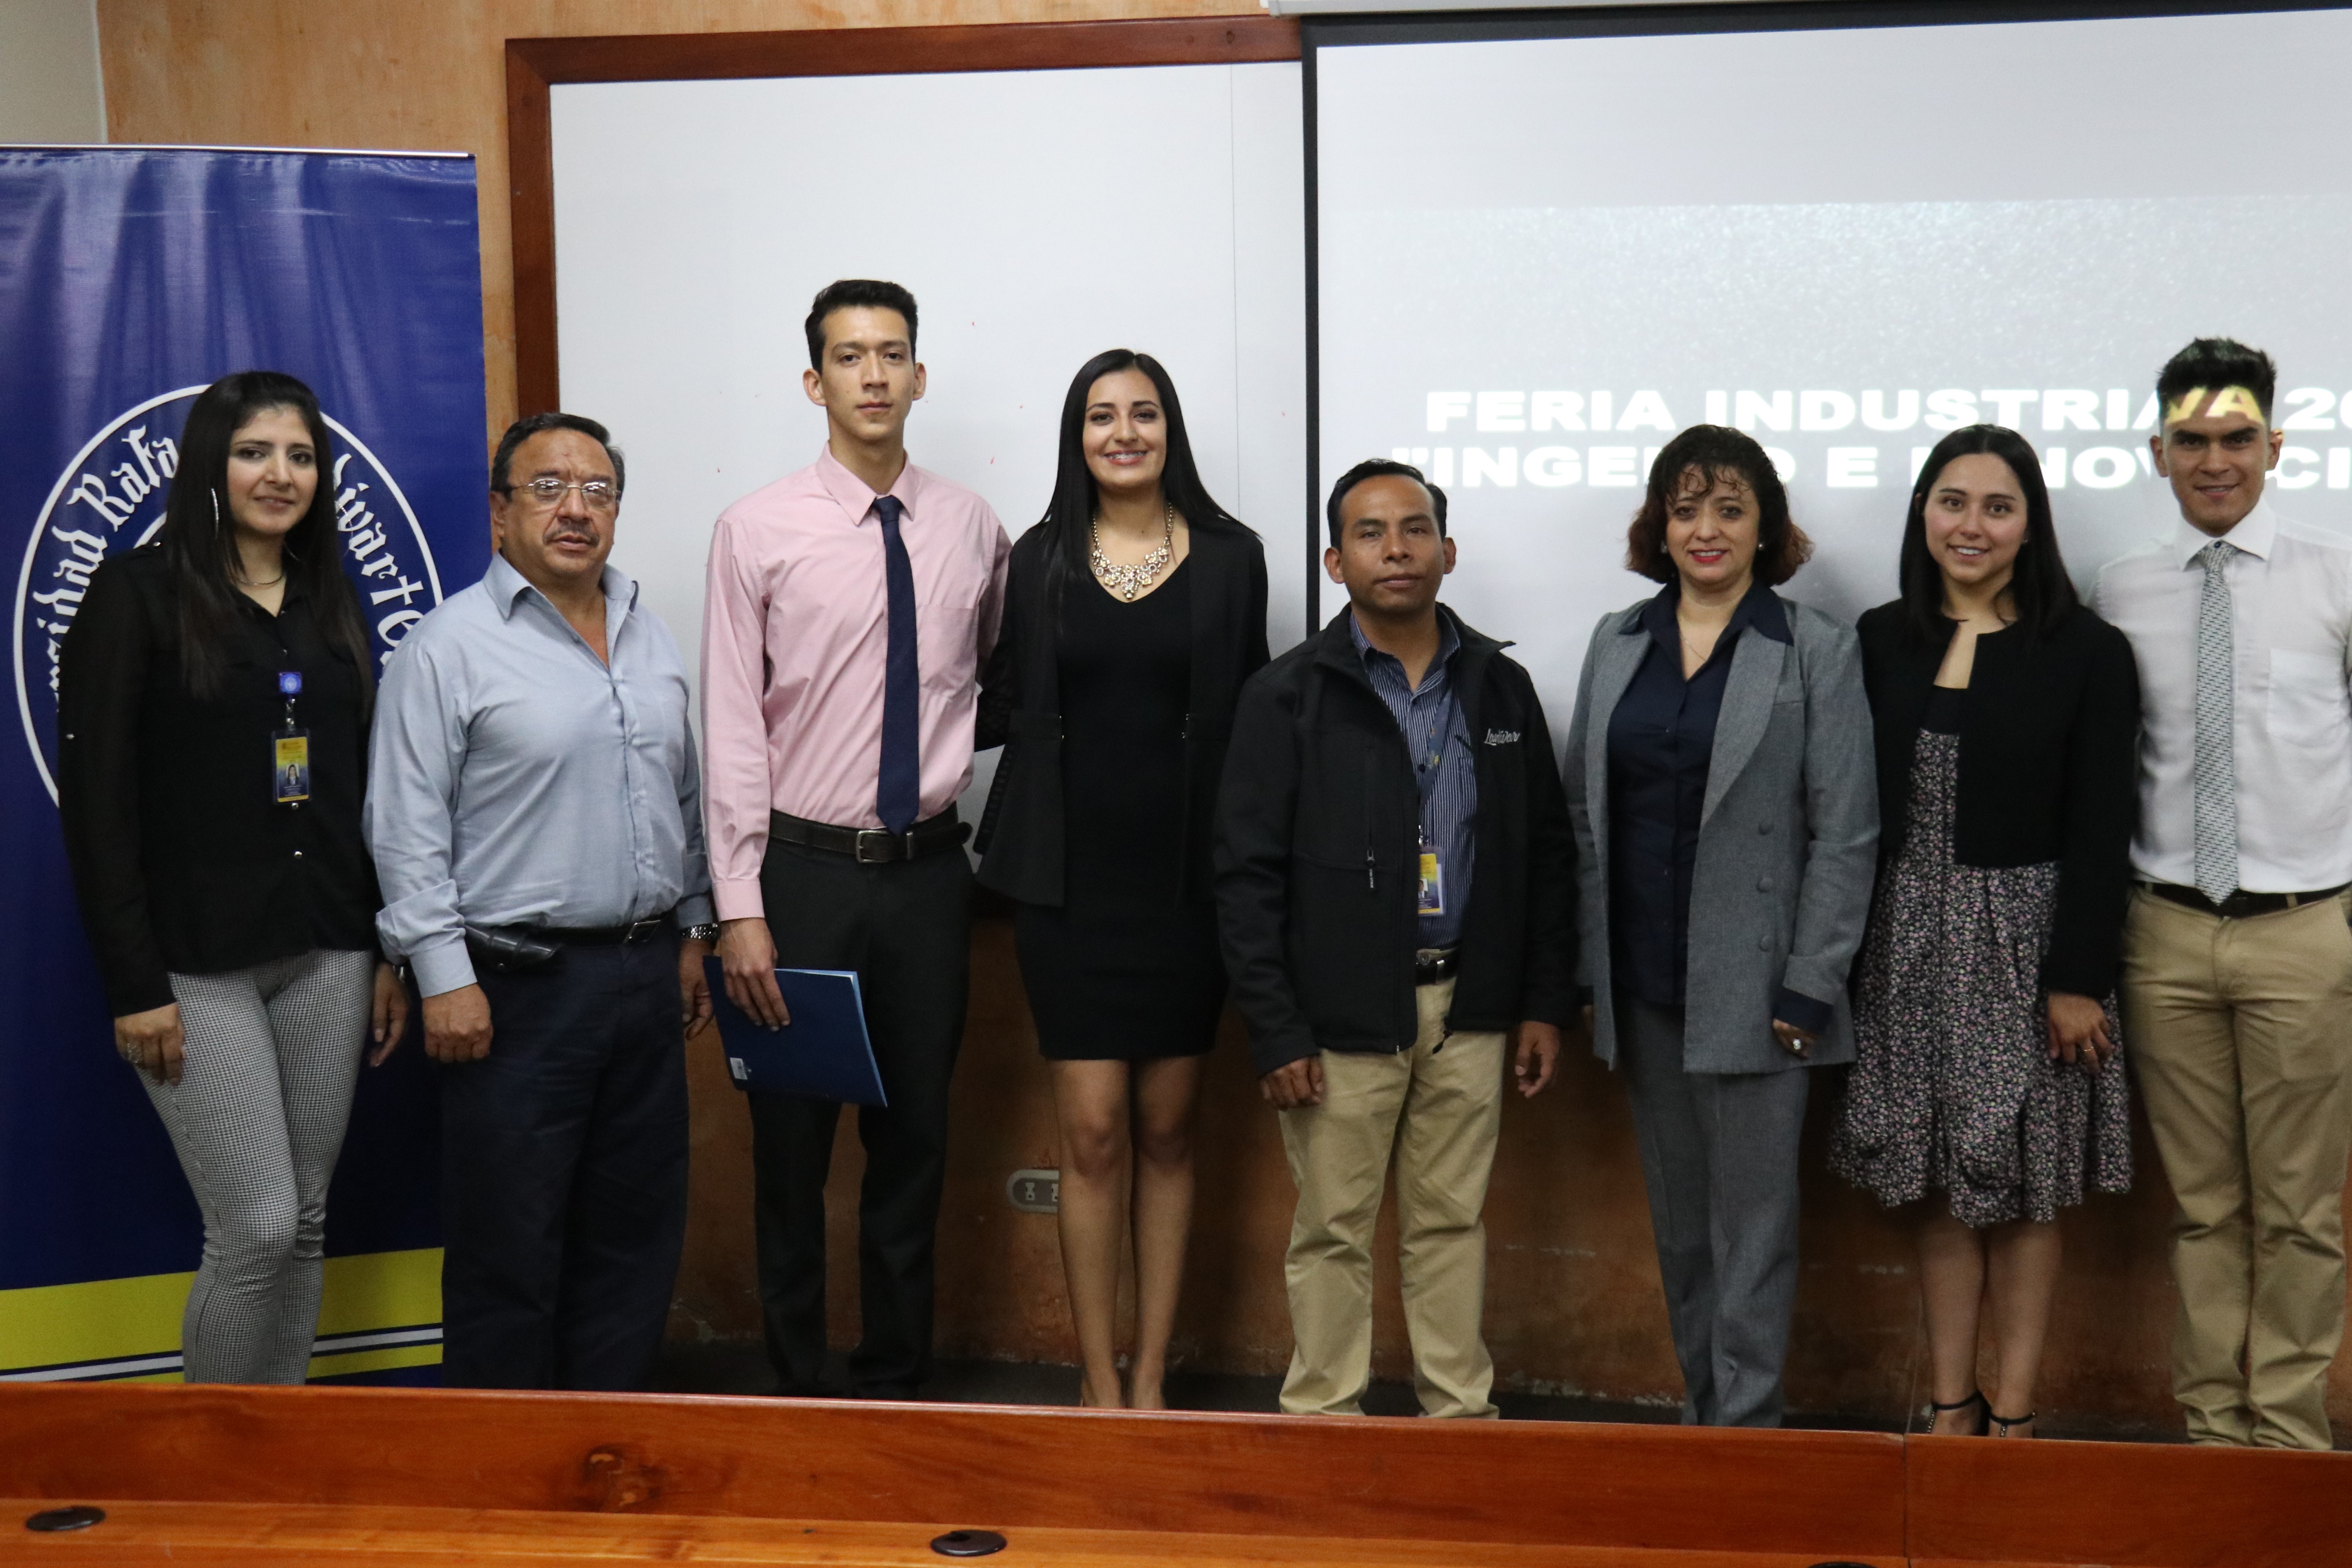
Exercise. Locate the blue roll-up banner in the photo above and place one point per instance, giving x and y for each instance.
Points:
(129, 280)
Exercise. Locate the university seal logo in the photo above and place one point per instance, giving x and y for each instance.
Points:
(109, 498)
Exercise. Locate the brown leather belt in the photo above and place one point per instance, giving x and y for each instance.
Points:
(2240, 905)
(871, 846)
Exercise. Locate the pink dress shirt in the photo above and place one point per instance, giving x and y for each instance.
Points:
(794, 636)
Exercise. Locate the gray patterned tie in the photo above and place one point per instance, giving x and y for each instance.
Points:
(2217, 761)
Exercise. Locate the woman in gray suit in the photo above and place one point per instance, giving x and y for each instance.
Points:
(1720, 772)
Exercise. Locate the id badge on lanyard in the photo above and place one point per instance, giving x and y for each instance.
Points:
(289, 748)
(1432, 882)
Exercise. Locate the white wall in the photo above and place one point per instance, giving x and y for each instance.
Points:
(49, 86)
(1039, 217)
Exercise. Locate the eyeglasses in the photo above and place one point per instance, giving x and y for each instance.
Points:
(548, 494)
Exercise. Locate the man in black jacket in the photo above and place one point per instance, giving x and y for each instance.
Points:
(1395, 892)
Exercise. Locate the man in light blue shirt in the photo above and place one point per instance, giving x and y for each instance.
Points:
(534, 812)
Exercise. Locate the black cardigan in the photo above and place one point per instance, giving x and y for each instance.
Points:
(1020, 841)
(2049, 766)
(183, 861)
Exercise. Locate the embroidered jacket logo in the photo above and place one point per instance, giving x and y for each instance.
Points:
(1501, 737)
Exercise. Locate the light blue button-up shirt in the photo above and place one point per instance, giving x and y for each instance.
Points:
(515, 779)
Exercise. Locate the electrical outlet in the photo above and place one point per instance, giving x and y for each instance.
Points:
(1034, 1192)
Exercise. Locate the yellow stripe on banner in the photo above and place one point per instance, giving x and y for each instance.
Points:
(102, 1320)
(381, 1291)
(390, 1356)
(120, 1320)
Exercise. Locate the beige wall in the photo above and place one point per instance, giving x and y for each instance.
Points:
(49, 89)
(430, 75)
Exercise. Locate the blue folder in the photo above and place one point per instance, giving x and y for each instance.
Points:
(824, 1052)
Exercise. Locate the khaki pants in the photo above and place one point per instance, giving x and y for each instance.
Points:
(2242, 1032)
(1436, 1107)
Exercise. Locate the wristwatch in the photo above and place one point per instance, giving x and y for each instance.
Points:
(706, 932)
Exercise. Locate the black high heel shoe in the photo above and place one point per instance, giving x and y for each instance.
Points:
(1976, 1399)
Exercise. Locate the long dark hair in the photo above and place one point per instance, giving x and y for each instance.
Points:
(2039, 590)
(199, 535)
(1069, 516)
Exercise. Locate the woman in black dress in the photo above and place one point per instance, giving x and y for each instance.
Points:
(1987, 1090)
(1135, 609)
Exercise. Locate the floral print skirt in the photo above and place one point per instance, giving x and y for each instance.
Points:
(1953, 1088)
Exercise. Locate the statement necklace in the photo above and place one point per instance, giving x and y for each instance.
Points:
(1127, 582)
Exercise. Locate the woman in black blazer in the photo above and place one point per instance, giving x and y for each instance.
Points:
(1987, 1084)
(1135, 609)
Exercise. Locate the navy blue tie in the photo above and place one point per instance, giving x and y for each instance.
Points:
(900, 795)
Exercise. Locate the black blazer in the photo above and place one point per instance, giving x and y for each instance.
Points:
(2049, 766)
(1020, 840)
(182, 859)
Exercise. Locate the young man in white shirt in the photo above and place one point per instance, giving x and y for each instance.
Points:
(2237, 985)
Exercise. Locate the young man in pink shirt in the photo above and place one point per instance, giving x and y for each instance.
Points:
(850, 606)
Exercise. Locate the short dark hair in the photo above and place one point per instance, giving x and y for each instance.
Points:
(531, 424)
(1376, 469)
(2217, 362)
(2039, 589)
(848, 294)
(1718, 453)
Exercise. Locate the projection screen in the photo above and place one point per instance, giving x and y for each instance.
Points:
(1538, 256)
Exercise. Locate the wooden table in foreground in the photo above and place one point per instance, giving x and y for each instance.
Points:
(214, 1475)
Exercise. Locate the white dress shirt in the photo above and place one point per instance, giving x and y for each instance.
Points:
(2290, 597)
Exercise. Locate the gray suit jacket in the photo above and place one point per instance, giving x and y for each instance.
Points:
(1787, 845)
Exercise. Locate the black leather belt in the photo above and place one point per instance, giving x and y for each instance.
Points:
(607, 936)
(521, 950)
(2240, 905)
(1431, 965)
(871, 846)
